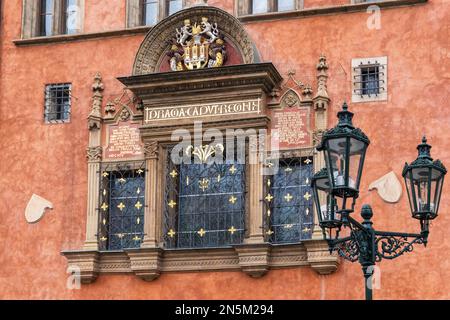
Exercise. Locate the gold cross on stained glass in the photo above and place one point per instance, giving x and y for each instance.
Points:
(103, 239)
(171, 233)
(138, 220)
(204, 184)
(306, 229)
(269, 232)
(120, 235)
(201, 232)
(172, 204)
(288, 169)
(136, 238)
(307, 196)
(122, 180)
(288, 226)
(138, 205)
(269, 197)
(232, 230)
(105, 174)
(174, 174)
(138, 191)
(233, 169)
(233, 199)
(288, 197)
(104, 206)
(140, 171)
(121, 206)
(308, 161)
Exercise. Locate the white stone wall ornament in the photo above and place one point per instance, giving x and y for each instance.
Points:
(388, 187)
(36, 208)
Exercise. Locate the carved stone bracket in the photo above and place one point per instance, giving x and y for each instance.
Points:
(319, 257)
(94, 154)
(84, 264)
(145, 263)
(254, 258)
(151, 150)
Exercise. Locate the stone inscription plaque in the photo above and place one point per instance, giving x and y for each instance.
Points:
(290, 128)
(202, 110)
(124, 142)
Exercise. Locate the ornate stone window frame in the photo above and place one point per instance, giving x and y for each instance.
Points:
(248, 81)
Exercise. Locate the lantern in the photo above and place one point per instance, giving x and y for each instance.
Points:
(344, 148)
(424, 179)
(325, 202)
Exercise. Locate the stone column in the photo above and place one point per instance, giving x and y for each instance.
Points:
(256, 194)
(151, 178)
(94, 157)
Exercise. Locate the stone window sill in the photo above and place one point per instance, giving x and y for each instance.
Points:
(346, 8)
(81, 37)
(253, 259)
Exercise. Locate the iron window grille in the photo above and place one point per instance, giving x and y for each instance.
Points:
(58, 103)
(121, 205)
(205, 202)
(288, 201)
(369, 79)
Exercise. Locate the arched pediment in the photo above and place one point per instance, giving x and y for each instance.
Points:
(152, 54)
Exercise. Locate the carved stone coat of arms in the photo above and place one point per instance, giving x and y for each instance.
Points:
(197, 46)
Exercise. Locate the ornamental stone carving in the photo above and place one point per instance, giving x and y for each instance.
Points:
(151, 150)
(94, 154)
(158, 42)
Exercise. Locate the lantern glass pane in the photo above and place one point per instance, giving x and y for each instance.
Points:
(439, 192)
(408, 190)
(357, 150)
(421, 185)
(336, 160)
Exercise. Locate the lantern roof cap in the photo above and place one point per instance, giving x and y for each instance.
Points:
(344, 128)
(321, 174)
(424, 159)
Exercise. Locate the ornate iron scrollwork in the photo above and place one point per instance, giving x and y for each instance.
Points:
(390, 247)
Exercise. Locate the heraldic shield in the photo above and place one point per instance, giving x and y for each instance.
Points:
(197, 46)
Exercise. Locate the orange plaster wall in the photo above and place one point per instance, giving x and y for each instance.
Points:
(49, 160)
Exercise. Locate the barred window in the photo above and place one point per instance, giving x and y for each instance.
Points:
(122, 201)
(57, 103)
(205, 202)
(369, 79)
(288, 201)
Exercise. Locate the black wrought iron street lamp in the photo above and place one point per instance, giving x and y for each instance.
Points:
(336, 189)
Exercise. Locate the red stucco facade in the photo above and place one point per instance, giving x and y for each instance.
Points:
(49, 160)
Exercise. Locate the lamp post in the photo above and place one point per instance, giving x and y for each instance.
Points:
(336, 189)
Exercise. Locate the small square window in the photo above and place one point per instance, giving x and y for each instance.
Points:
(369, 79)
(57, 103)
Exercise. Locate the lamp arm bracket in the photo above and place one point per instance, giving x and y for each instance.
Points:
(390, 245)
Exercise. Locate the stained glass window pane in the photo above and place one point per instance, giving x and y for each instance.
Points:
(289, 212)
(205, 205)
(121, 206)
